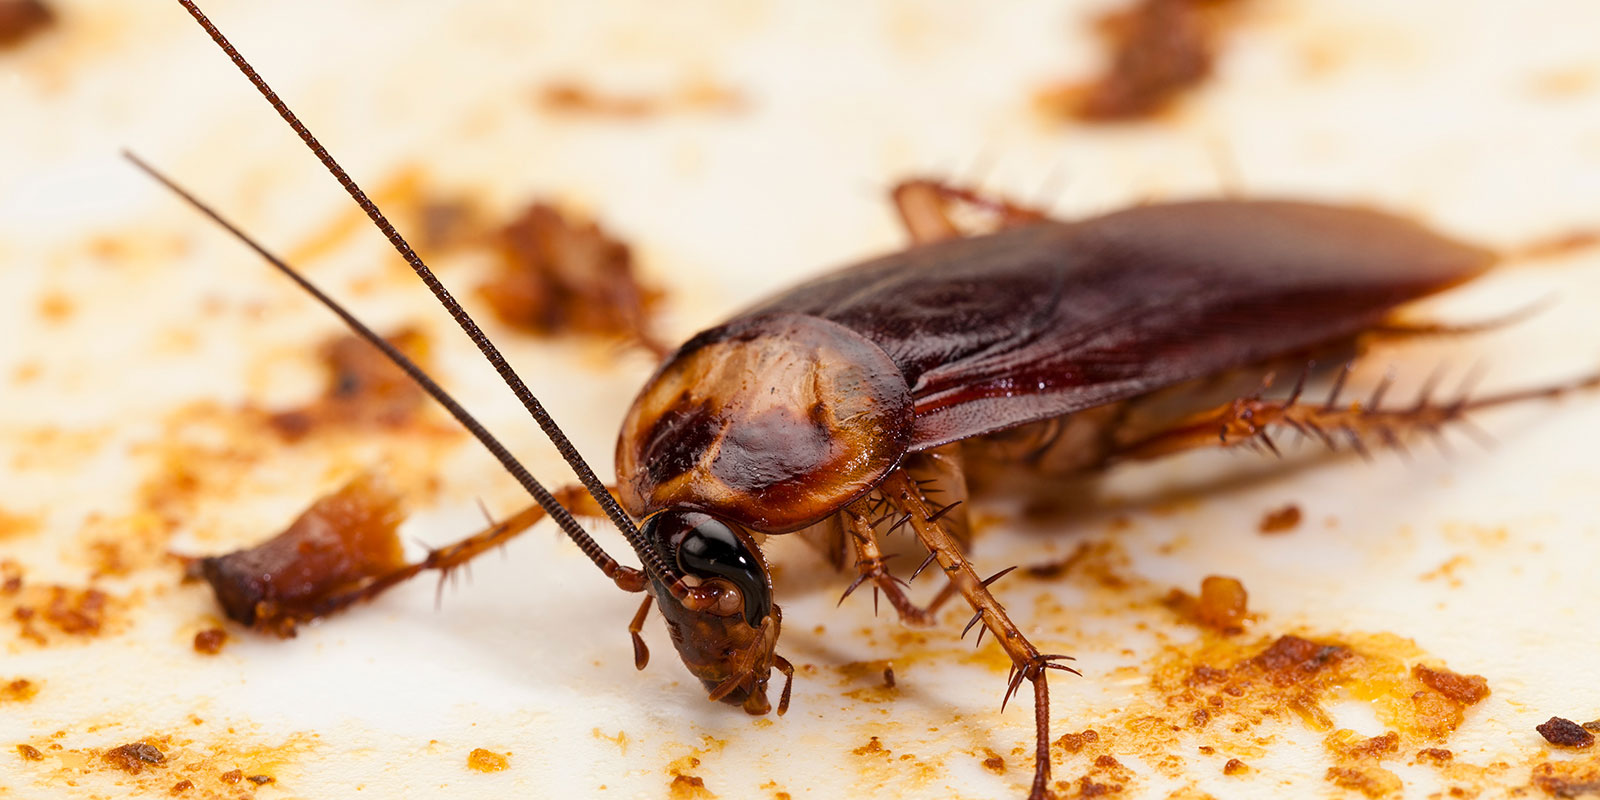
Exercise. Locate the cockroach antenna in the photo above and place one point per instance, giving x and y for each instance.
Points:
(653, 561)
(626, 577)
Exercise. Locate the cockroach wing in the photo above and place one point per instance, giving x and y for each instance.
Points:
(996, 331)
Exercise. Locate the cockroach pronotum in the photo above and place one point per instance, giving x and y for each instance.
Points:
(830, 409)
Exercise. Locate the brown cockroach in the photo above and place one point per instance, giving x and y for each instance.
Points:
(829, 409)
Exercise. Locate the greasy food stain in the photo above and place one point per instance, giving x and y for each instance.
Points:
(1236, 692)
(1575, 778)
(333, 550)
(1281, 520)
(1565, 733)
(22, 19)
(577, 99)
(561, 274)
(688, 787)
(20, 690)
(481, 760)
(1160, 49)
(48, 614)
(29, 752)
(364, 391)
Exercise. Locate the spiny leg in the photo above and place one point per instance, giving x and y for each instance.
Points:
(448, 558)
(1250, 420)
(926, 205)
(1027, 663)
(870, 565)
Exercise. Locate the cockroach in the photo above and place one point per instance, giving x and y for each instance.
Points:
(830, 409)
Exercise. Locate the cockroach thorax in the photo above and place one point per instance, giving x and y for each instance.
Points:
(772, 422)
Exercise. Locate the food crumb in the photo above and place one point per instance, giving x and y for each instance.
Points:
(1280, 520)
(210, 641)
(133, 758)
(1565, 733)
(29, 752)
(688, 787)
(888, 676)
(1370, 781)
(1223, 604)
(1074, 742)
(1437, 755)
(994, 762)
(260, 780)
(182, 786)
(487, 760)
(231, 776)
(1235, 767)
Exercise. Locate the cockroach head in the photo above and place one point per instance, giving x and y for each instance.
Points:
(726, 627)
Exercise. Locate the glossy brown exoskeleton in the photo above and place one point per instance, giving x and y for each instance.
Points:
(832, 410)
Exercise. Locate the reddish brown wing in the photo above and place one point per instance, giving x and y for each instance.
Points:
(997, 331)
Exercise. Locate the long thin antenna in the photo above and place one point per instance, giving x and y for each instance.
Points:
(627, 577)
(653, 560)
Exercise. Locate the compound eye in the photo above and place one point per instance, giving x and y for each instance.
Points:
(711, 548)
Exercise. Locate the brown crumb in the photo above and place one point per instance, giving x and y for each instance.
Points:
(561, 274)
(210, 641)
(29, 752)
(260, 780)
(21, 19)
(133, 758)
(888, 677)
(1592, 726)
(333, 549)
(1235, 767)
(483, 760)
(231, 776)
(1464, 689)
(994, 762)
(364, 389)
(182, 786)
(1280, 520)
(1159, 50)
(872, 746)
(1222, 605)
(688, 787)
(1351, 746)
(1565, 733)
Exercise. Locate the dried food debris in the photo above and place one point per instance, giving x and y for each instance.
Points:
(1160, 49)
(1280, 520)
(1222, 605)
(562, 274)
(210, 641)
(29, 752)
(335, 548)
(364, 390)
(483, 760)
(1565, 733)
(19, 690)
(134, 758)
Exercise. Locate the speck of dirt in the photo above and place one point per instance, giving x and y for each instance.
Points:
(1565, 733)
(483, 760)
(1281, 520)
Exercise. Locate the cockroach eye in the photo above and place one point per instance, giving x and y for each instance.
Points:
(706, 547)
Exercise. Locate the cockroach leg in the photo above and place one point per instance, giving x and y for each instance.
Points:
(870, 564)
(1026, 660)
(926, 205)
(641, 653)
(1411, 330)
(1250, 420)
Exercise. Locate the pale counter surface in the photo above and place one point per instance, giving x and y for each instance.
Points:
(131, 331)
